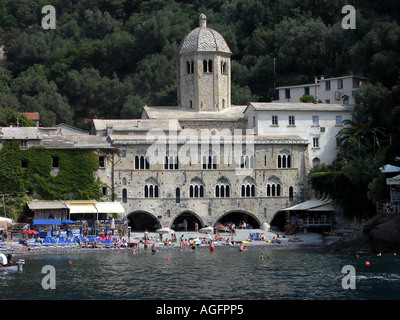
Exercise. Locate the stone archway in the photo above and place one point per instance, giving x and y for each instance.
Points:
(191, 218)
(142, 220)
(238, 216)
(279, 220)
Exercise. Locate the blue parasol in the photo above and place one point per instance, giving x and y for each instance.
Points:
(68, 222)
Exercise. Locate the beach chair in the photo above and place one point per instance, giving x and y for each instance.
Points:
(47, 242)
(68, 243)
(107, 243)
(53, 242)
(61, 241)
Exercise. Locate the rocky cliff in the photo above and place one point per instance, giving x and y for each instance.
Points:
(379, 234)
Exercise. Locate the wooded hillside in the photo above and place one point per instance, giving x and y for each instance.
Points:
(108, 58)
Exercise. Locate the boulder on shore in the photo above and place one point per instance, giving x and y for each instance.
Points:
(379, 234)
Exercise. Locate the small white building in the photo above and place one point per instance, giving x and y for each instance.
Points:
(317, 123)
(338, 90)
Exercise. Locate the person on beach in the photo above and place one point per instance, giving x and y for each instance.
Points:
(242, 248)
(196, 227)
(3, 258)
(185, 224)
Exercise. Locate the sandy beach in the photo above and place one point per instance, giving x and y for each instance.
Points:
(307, 240)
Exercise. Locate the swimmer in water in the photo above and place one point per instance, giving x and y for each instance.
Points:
(212, 248)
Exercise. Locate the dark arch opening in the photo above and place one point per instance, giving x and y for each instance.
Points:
(140, 221)
(237, 217)
(279, 220)
(191, 219)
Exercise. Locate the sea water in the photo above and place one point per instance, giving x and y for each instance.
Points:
(199, 274)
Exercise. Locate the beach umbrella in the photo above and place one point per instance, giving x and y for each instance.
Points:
(30, 232)
(207, 230)
(165, 230)
(6, 222)
(68, 222)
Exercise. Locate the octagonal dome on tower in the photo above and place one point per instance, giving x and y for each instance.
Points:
(204, 39)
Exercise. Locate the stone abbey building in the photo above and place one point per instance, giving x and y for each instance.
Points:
(210, 167)
(204, 161)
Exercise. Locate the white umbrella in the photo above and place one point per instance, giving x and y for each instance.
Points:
(5, 222)
(207, 230)
(165, 230)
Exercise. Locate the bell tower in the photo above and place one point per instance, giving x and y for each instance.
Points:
(204, 70)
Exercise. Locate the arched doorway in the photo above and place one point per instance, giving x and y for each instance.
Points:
(279, 220)
(191, 219)
(237, 217)
(141, 220)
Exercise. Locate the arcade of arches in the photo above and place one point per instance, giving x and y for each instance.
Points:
(140, 221)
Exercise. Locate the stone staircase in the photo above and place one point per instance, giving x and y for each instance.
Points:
(17, 228)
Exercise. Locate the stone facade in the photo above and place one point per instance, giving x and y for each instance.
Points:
(176, 184)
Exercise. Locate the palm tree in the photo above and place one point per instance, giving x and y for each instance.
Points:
(359, 128)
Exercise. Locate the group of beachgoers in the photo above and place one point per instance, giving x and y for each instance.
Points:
(208, 240)
(149, 244)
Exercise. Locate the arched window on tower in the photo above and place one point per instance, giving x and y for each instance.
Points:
(207, 66)
(189, 67)
(223, 67)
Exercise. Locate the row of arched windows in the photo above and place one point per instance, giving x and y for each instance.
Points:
(222, 188)
(207, 66)
(284, 160)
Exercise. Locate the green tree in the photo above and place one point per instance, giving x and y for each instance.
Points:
(375, 101)
(36, 93)
(132, 108)
(12, 117)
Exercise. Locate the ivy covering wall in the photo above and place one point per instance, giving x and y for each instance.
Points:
(49, 174)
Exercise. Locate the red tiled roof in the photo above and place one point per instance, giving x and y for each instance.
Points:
(32, 115)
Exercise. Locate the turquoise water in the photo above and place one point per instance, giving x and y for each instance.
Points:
(199, 274)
